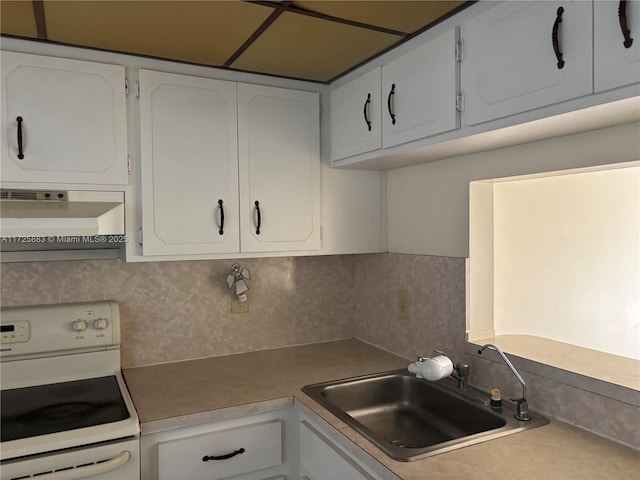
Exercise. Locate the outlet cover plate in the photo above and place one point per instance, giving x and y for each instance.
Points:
(237, 307)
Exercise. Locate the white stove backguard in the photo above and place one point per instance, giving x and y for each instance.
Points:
(52, 330)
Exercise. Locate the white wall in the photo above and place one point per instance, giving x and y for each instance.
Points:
(567, 259)
(428, 205)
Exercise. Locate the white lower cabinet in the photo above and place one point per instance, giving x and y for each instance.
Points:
(255, 447)
(322, 459)
(280, 445)
(222, 454)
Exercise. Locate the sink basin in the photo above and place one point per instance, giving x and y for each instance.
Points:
(410, 418)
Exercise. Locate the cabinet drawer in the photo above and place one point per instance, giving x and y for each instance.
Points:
(239, 450)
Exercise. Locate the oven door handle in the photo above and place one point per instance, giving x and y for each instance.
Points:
(89, 470)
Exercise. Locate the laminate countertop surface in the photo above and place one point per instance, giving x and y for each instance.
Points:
(191, 392)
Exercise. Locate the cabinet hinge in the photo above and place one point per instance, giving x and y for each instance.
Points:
(460, 51)
(129, 164)
(140, 236)
(126, 87)
(460, 102)
(137, 89)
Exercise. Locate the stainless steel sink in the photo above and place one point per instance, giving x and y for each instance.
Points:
(410, 418)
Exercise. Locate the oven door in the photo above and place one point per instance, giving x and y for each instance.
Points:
(118, 460)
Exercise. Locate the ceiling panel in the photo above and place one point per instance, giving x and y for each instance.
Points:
(203, 32)
(301, 46)
(403, 16)
(16, 18)
(301, 43)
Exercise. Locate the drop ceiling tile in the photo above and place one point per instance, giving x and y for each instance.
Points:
(403, 16)
(206, 32)
(301, 46)
(16, 18)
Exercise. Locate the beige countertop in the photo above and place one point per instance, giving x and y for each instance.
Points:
(197, 391)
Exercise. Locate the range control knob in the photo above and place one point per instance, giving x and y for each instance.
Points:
(100, 323)
(79, 325)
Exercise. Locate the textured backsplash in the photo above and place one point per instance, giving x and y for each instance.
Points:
(181, 310)
(436, 303)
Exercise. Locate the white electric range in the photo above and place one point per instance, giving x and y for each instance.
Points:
(66, 413)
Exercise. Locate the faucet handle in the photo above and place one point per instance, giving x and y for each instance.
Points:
(522, 409)
(420, 359)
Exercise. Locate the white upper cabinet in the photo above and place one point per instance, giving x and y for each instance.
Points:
(616, 44)
(279, 165)
(63, 121)
(524, 55)
(356, 116)
(227, 167)
(419, 91)
(189, 164)
(408, 99)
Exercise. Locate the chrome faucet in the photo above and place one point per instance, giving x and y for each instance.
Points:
(522, 408)
(461, 374)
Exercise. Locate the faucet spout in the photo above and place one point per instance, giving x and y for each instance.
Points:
(522, 412)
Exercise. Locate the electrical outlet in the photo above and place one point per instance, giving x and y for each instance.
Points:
(403, 305)
(237, 307)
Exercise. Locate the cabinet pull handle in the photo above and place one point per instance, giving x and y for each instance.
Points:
(366, 111)
(554, 37)
(20, 154)
(389, 104)
(259, 223)
(223, 457)
(221, 231)
(622, 16)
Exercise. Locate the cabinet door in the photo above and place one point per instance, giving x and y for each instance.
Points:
(278, 141)
(321, 460)
(70, 117)
(189, 164)
(355, 116)
(510, 64)
(419, 92)
(616, 57)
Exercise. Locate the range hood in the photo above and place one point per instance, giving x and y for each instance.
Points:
(60, 224)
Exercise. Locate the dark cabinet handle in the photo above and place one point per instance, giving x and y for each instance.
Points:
(221, 231)
(206, 458)
(622, 17)
(554, 37)
(259, 223)
(20, 154)
(390, 104)
(366, 111)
